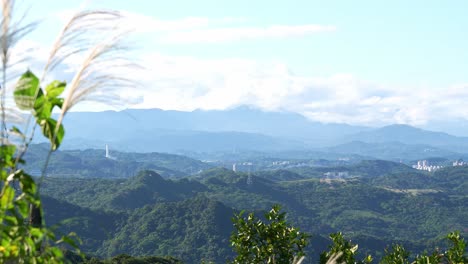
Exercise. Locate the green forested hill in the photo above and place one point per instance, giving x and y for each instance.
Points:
(365, 168)
(193, 229)
(92, 163)
(147, 187)
(190, 219)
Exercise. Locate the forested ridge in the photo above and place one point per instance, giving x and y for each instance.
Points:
(190, 218)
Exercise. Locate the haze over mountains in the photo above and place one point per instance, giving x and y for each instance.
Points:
(246, 129)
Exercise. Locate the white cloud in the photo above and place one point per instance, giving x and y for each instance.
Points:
(145, 24)
(213, 30)
(227, 34)
(188, 83)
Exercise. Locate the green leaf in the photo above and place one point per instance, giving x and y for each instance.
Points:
(6, 155)
(11, 220)
(56, 102)
(68, 240)
(55, 89)
(26, 90)
(16, 130)
(36, 232)
(42, 107)
(23, 207)
(49, 130)
(27, 184)
(8, 194)
(56, 252)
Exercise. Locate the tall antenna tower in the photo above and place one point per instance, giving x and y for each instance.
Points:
(108, 155)
(107, 151)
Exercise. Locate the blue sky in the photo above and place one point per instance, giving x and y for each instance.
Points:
(359, 62)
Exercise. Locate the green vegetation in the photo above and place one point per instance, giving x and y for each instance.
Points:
(278, 242)
(150, 215)
(342, 251)
(21, 241)
(170, 205)
(24, 236)
(92, 163)
(272, 241)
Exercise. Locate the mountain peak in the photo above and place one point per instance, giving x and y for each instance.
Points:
(400, 127)
(149, 177)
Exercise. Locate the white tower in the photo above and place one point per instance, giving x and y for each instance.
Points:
(107, 151)
(234, 167)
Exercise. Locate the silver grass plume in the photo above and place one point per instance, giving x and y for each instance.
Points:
(98, 37)
(12, 30)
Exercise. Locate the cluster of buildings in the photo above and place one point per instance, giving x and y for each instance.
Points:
(281, 162)
(460, 163)
(424, 165)
(336, 174)
(235, 166)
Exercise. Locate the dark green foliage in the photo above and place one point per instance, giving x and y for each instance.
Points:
(120, 259)
(342, 251)
(372, 213)
(94, 164)
(29, 95)
(146, 188)
(280, 175)
(23, 236)
(457, 253)
(271, 241)
(126, 259)
(192, 230)
(397, 255)
(365, 168)
(92, 226)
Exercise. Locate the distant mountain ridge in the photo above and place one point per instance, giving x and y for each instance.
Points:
(410, 135)
(242, 128)
(160, 130)
(395, 150)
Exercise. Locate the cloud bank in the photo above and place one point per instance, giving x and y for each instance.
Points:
(188, 83)
(208, 30)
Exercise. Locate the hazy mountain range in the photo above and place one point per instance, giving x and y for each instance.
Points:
(246, 128)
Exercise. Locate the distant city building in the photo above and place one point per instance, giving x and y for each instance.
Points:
(425, 166)
(282, 162)
(234, 167)
(336, 174)
(459, 162)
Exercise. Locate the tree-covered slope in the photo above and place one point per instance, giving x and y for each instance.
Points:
(92, 163)
(147, 187)
(190, 218)
(193, 230)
